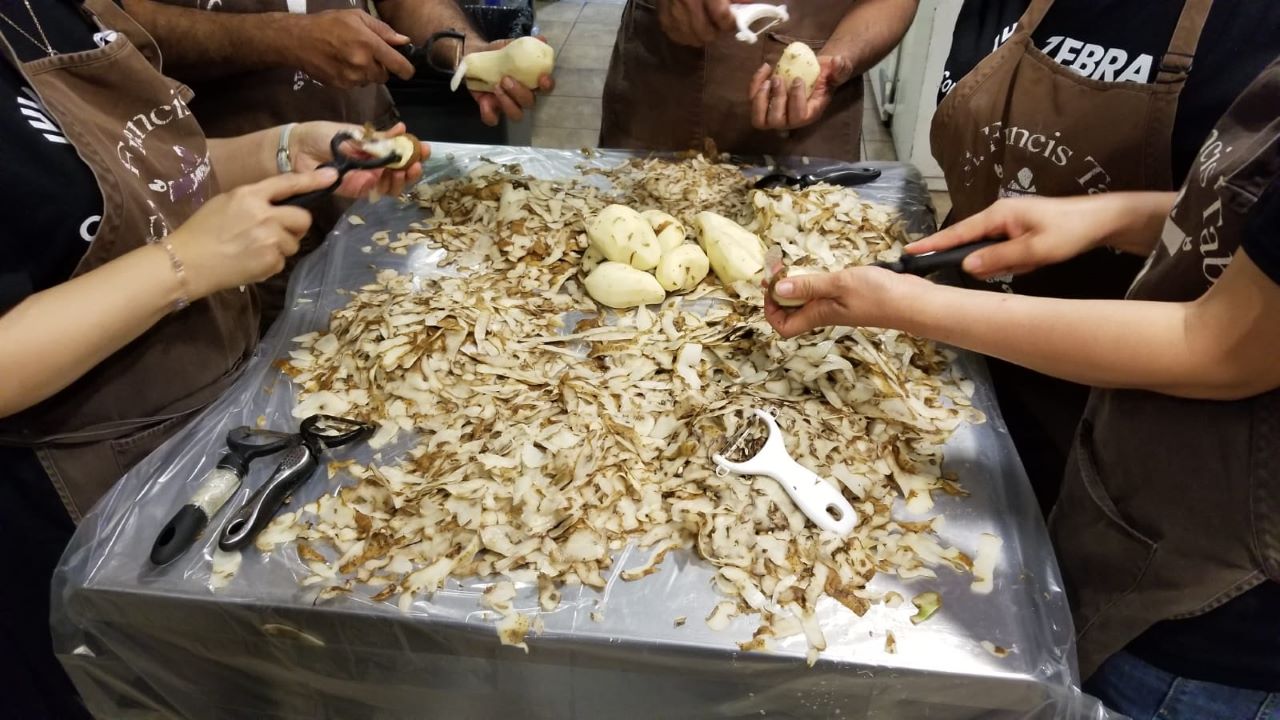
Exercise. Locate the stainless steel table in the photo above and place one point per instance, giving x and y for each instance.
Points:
(147, 643)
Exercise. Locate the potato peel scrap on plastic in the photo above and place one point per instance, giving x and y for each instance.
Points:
(551, 437)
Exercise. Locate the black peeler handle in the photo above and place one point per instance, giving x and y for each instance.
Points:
(929, 263)
(309, 198)
(845, 177)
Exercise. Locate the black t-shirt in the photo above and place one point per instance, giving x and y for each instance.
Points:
(48, 196)
(1124, 41)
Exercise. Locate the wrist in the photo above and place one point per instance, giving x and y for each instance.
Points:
(169, 266)
(902, 301)
(271, 28)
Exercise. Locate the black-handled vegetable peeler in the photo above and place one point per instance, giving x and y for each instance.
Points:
(296, 467)
(344, 163)
(244, 445)
(845, 177)
(929, 263)
(421, 57)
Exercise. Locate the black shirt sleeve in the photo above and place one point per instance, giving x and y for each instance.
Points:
(1261, 241)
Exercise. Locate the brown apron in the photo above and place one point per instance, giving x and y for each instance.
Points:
(1020, 123)
(132, 127)
(1171, 507)
(663, 96)
(249, 102)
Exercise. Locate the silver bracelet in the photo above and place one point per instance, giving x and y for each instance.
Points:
(284, 163)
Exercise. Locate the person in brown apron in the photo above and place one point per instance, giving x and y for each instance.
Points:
(257, 64)
(1094, 107)
(1168, 525)
(118, 329)
(707, 89)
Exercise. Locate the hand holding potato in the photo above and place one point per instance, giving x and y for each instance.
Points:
(505, 76)
(784, 101)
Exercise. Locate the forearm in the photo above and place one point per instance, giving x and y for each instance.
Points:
(1101, 343)
(201, 44)
(54, 337)
(420, 19)
(245, 159)
(1137, 219)
(869, 31)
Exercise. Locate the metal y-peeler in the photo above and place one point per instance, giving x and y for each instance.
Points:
(744, 16)
(296, 467)
(244, 445)
(820, 501)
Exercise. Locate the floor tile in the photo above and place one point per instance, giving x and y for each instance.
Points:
(565, 138)
(567, 112)
(593, 34)
(555, 32)
(557, 11)
(882, 151)
(596, 12)
(572, 82)
(585, 57)
(875, 131)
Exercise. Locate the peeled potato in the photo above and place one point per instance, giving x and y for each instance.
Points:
(619, 285)
(670, 231)
(734, 252)
(406, 148)
(524, 60)
(798, 61)
(591, 259)
(682, 269)
(621, 235)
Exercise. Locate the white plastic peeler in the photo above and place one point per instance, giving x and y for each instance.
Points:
(746, 15)
(820, 501)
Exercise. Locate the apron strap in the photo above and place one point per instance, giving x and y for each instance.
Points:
(1176, 63)
(1030, 19)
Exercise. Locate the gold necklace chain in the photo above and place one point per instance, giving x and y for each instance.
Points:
(46, 46)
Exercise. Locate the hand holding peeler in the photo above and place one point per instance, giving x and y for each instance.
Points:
(820, 501)
(746, 15)
(296, 467)
(344, 163)
(929, 263)
(244, 445)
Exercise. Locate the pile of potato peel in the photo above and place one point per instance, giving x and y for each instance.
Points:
(551, 434)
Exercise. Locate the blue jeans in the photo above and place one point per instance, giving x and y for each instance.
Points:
(1143, 692)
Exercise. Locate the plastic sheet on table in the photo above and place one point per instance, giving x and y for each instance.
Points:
(146, 642)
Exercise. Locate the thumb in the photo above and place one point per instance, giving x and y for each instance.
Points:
(287, 185)
(809, 287)
(383, 30)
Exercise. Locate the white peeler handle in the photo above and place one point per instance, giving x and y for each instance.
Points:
(820, 501)
(746, 15)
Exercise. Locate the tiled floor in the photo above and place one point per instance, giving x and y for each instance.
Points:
(583, 35)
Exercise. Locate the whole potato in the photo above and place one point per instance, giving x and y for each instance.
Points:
(682, 269)
(618, 285)
(621, 235)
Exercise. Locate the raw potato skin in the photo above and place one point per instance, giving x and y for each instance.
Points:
(734, 252)
(798, 61)
(523, 60)
(682, 268)
(620, 286)
(670, 231)
(621, 235)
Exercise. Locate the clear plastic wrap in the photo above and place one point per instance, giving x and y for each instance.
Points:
(147, 642)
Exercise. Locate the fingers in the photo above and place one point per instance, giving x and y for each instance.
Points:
(384, 31)
(488, 108)
(760, 100)
(759, 79)
(546, 83)
(810, 287)
(777, 117)
(279, 187)
(797, 104)
(389, 59)
(1013, 257)
(718, 16)
(521, 95)
(991, 222)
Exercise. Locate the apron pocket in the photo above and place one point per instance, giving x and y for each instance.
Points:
(131, 449)
(1103, 558)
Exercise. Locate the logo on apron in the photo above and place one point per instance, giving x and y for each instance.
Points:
(1021, 186)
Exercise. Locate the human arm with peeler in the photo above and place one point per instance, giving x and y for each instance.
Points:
(1221, 345)
(866, 34)
(253, 157)
(339, 48)
(419, 19)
